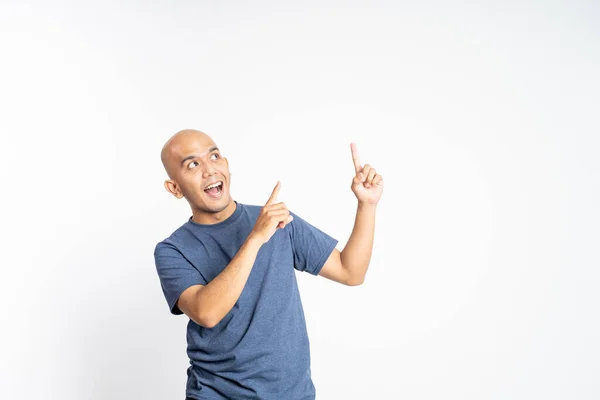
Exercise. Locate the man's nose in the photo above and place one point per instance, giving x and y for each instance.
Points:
(208, 170)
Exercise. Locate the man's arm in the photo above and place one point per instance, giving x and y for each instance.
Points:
(349, 266)
(208, 304)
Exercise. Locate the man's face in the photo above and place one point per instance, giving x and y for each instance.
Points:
(196, 164)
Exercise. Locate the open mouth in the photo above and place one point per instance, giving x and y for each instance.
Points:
(214, 189)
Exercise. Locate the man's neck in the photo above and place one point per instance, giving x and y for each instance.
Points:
(214, 218)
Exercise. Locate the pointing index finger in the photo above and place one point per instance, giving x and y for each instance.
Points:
(273, 197)
(355, 158)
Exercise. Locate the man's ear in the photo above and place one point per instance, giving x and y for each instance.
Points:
(172, 188)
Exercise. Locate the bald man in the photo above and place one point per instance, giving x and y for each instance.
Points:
(230, 269)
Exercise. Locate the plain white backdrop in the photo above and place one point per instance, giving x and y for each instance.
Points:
(483, 119)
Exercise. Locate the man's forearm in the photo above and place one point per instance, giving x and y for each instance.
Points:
(356, 255)
(219, 296)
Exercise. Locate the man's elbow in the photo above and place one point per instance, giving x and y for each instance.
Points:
(205, 320)
(355, 281)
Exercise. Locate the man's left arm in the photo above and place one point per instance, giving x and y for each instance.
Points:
(349, 266)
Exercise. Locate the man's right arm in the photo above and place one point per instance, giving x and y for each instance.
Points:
(208, 304)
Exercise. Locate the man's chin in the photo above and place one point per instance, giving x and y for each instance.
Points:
(218, 205)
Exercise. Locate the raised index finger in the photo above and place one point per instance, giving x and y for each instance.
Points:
(273, 197)
(355, 158)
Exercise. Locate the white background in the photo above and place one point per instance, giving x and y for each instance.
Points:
(483, 119)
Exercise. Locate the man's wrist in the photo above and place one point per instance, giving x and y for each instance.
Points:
(254, 242)
(366, 206)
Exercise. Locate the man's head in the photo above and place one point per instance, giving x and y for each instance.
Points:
(193, 163)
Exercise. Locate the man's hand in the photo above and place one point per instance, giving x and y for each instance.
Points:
(272, 216)
(367, 184)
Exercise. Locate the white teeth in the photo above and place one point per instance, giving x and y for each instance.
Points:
(213, 185)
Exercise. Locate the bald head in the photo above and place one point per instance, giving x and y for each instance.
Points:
(175, 148)
(194, 162)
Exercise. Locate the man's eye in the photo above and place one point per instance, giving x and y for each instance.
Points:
(192, 163)
(215, 154)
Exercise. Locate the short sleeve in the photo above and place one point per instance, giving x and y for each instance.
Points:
(176, 274)
(311, 246)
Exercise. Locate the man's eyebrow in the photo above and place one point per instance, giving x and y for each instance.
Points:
(194, 156)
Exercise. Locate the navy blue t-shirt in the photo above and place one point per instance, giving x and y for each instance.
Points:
(260, 349)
